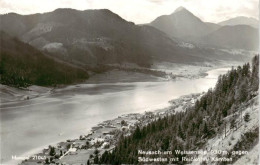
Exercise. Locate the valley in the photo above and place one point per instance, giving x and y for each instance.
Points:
(88, 86)
(75, 109)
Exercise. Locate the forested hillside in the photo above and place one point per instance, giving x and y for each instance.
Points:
(93, 37)
(22, 65)
(191, 129)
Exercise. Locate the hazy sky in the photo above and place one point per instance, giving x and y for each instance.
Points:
(141, 11)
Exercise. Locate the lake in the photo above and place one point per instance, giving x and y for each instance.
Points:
(29, 126)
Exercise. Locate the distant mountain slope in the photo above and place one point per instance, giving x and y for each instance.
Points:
(213, 26)
(239, 36)
(183, 24)
(94, 37)
(22, 65)
(241, 21)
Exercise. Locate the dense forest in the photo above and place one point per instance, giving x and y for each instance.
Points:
(21, 65)
(189, 130)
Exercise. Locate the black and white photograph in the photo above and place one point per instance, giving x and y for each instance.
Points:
(129, 82)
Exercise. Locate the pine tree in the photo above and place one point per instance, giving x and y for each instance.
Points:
(47, 161)
(180, 133)
(52, 151)
(205, 130)
(232, 123)
(247, 117)
(137, 133)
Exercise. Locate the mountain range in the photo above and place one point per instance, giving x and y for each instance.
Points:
(92, 37)
(238, 33)
(241, 21)
(238, 36)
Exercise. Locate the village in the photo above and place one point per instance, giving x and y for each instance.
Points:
(104, 136)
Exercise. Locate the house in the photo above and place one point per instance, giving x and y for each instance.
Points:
(96, 140)
(108, 137)
(72, 149)
(124, 128)
(62, 145)
(104, 145)
(78, 145)
(106, 132)
(131, 126)
(193, 101)
(45, 151)
(111, 126)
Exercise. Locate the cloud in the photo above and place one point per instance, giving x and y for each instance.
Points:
(141, 11)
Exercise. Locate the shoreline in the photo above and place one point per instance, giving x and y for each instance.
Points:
(12, 95)
(107, 132)
(154, 109)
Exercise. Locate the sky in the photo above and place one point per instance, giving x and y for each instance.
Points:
(141, 11)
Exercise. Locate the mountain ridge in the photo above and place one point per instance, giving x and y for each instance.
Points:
(238, 36)
(241, 20)
(181, 24)
(93, 37)
(185, 26)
